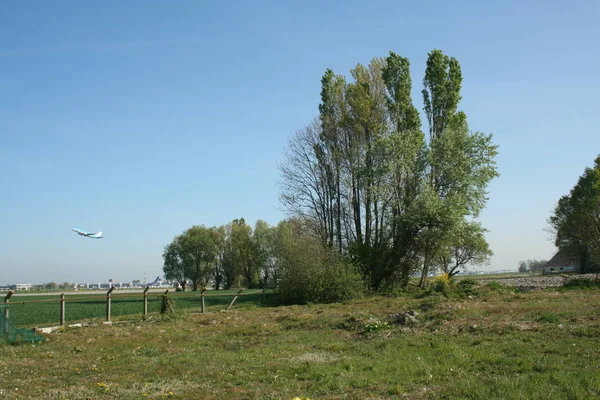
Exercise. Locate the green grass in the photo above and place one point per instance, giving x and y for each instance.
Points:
(36, 311)
(538, 345)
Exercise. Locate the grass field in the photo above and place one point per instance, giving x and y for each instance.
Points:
(498, 344)
(44, 310)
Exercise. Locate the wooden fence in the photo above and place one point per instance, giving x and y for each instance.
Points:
(109, 296)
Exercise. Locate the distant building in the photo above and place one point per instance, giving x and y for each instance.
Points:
(562, 262)
(23, 286)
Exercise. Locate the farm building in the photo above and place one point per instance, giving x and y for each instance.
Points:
(561, 262)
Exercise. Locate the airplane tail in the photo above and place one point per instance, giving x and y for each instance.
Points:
(155, 281)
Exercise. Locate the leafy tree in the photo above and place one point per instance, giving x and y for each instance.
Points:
(230, 270)
(173, 266)
(441, 93)
(575, 221)
(460, 163)
(396, 75)
(51, 286)
(523, 268)
(263, 239)
(243, 255)
(192, 256)
(219, 237)
(198, 251)
(328, 152)
(467, 246)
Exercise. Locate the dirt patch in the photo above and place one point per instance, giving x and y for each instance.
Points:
(318, 358)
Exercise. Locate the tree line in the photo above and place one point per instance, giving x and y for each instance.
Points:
(227, 256)
(532, 266)
(372, 198)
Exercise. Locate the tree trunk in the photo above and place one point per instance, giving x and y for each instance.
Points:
(424, 272)
(339, 209)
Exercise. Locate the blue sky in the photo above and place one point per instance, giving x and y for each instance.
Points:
(142, 118)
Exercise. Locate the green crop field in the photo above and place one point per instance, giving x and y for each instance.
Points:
(44, 310)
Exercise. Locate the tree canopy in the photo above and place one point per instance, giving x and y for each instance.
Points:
(575, 221)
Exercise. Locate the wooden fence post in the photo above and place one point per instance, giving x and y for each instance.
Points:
(6, 301)
(234, 299)
(146, 300)
(62, 308)
(203, 290)
(108, 303)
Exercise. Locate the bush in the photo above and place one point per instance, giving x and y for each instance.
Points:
(167, 304)
(495, 285)
(320, 283)
(468, 282)
(312, 273)
(441, 283)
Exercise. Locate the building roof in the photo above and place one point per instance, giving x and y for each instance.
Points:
(562, 258)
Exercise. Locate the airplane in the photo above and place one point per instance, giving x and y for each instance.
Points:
(88, 234)
(157, 280)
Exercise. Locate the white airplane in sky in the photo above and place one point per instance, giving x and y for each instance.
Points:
(88, 234)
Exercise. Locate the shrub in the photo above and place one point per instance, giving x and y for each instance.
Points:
(167, 304)
(312, 273)
(581, 284)
(441, 283)
(495, 285)
(375, 326)
(320, 282)
(468, 282)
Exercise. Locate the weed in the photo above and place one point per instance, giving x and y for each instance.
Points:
(584, 284)
(548, 317)
(376, 326)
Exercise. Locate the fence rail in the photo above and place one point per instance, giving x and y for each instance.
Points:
(94, 300)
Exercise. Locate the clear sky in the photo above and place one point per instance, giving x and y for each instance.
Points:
(142, 118)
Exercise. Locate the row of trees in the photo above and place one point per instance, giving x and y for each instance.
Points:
(532, 266)
(372, 198)
(287, 256)
(377, 189)
(575, 221)
(225, 256)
